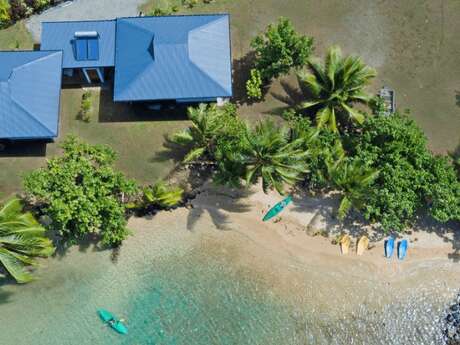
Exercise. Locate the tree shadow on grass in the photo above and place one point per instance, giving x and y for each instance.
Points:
(110, 111)
(5, 296)
(23, 148)
(241, 73)
(171, 152)
(457, 98)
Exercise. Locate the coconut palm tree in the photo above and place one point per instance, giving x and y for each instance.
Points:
(335, 87)
(271, 155)
(21, 239)
(200, 136)
(351, 177)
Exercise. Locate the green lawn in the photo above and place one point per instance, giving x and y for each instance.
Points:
(16, 37)
(413, 45)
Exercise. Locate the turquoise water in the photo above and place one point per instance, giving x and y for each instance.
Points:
(174, 292)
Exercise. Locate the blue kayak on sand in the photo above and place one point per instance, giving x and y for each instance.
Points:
(402, 249)
(389, 247)
(113, 322)
(273, 212)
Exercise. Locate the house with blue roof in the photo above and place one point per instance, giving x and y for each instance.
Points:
(179, 59)
(30, 87)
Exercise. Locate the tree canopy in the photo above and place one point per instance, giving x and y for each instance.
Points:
(279, 49)
(410, 177)
(82, 193)
(334, 87)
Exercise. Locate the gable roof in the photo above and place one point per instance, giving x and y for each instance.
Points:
(61, 36)
(30, 86)
(172, 57)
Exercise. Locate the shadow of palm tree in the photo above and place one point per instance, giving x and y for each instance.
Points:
(325, 208)
(5, 296)
(457, 98)
(292, 96)
(217, 202)
(172, 152)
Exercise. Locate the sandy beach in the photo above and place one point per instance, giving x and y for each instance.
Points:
(214, 273)
(282, 249)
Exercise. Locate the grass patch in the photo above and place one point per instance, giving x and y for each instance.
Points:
(16, 37)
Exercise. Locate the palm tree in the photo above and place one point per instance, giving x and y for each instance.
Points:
(162, 195)
(271, 155)
(351, 177)
(21, 239)
(335, 87)
(200, 136)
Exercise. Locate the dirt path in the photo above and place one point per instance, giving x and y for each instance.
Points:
(84, 10)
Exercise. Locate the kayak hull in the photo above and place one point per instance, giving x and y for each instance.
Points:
(402, 249)
(119, 327)
(112, 321)
(275, 210)
(389, 247)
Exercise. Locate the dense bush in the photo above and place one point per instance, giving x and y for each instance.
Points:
(81, 193)
(254, 85)
(410, 177)
(4, 13)
(161, 196)
(19, 10)
(279, 49)
(85, 107)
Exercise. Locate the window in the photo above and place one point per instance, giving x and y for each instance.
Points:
(86, 46)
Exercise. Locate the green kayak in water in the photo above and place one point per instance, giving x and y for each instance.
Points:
(277, 208)
(112, 321)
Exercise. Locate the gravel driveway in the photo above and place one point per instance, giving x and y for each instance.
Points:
(84, 10)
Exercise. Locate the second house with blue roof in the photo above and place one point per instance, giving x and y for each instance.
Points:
(179, 59)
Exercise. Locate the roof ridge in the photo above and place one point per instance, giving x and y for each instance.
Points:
(33, 61)
(197, 29)
(18, 103)
(179, 15)
(31, 116)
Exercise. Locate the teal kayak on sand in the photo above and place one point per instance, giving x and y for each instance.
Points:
(273, 212)
(113, 322)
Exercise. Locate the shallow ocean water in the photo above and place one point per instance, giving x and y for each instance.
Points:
(172, 292)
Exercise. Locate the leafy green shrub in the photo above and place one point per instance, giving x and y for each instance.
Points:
(5, 18)
(82, 194)
(38, 5)
(279, 49)
(85, 108)
(189, 3)
(164, 11)
(254, 85)
(410, 178)
(160, 195)
(442, 190)
(19, 10)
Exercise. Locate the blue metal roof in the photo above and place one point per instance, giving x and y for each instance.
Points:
(61, 36)
(30, 86)
(173, 57)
